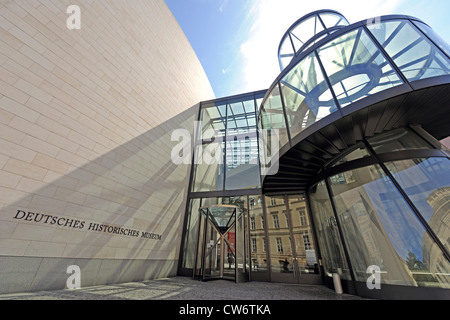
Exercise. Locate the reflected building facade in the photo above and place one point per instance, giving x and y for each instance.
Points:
(358, 111)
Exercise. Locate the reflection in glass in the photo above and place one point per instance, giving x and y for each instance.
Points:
(209, 169)
(280, 249)
(272, 116)
(241, 117)
(357, 152)
(190, 241)
(397, 140)
(226, 153)
(305, 250)
(433, 36)
(356, 67)
(213, 120)
(427, 184)
(380, 229)
(306, 95)
(242, 167)
(412, 52)
(257, 235)
(327, 232)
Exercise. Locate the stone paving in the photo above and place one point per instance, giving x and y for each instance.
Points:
(181, 288)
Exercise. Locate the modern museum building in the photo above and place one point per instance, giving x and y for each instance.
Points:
(116, 157)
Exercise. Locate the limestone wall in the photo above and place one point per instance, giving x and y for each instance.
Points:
(86, 118)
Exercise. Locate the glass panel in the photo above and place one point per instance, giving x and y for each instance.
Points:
(356, 67)
(242, 241)
(222, 216)
(332, 20)
(306, 95)
(286, 48)
(327, 232)
(208, 174)
(191, 235)
(272, 116)
(213, 119)
(286, 53)
(212, 251)
(281, 254)
(257, 236)
(296, 41)
(242, 167)
(411, 51)
(230, 252)
(242, 164)
(357, 152)
(241, 117)
(284, 62)
(240, 238)
(397, 140)
(303, 237)
(306, 29)
(380, 229)
(434, 37)
(259, 100)
(427, 184)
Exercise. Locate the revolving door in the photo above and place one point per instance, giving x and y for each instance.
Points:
(221, 245)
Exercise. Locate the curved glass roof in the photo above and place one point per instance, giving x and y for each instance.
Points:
(306, 31)
(330, 69)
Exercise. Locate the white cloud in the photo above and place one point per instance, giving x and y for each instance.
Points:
(271, 19)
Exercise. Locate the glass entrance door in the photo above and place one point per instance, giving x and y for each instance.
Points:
(217, 253)
(291, 244)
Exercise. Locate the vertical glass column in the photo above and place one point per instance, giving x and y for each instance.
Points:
(272, 117)
(426, 181)
(191, 235)
(280, 248)
(304, 245)
(258, 249)
(242, 160)
(210, 149)
(381, 229)
(327, 231)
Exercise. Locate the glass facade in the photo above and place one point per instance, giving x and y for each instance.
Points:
(356, 67)
(414, 54)
(382, 200)
(391, 214)
(332, 251)
(258, 247)
(226, 146)
(272, 235)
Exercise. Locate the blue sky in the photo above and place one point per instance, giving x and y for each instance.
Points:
(237, 40)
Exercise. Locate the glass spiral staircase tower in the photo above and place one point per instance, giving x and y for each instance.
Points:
(359, 110)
